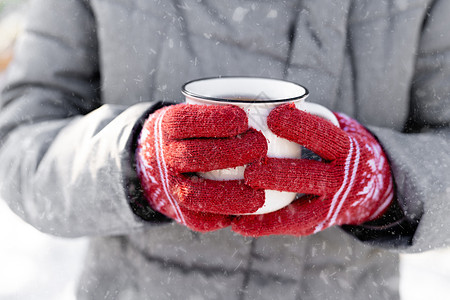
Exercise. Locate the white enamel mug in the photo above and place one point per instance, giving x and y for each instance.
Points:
(257, 97)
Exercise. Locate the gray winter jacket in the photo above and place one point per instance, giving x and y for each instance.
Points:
(87, 73)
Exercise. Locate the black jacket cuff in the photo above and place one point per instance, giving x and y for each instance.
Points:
(392, 230)
(137, 200)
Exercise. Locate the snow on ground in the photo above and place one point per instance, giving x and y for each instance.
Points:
(35, 266)
(426, 275)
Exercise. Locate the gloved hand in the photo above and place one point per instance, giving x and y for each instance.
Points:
(177, 141)
(351, 185)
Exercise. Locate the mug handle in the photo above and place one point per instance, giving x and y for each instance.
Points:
(318, 110)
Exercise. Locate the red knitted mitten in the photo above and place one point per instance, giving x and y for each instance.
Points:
(177, 141)
(351, 185)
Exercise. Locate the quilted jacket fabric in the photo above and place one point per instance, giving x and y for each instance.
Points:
(86, 73)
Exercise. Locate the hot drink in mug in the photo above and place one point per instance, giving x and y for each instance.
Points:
(257, 97)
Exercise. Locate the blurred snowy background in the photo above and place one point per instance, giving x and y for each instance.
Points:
(35, 266)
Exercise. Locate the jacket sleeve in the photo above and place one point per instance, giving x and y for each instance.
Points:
(66, 159)
(420, 157)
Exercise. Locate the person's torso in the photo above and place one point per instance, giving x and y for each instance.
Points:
(354, 57)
